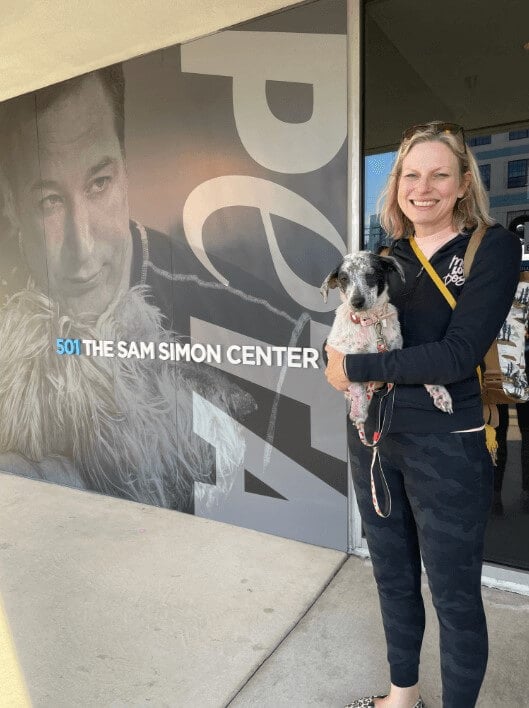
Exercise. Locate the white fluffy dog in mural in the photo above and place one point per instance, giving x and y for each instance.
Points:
(121, 426)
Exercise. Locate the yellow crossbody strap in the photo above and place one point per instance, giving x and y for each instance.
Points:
(437, 280)
(489, 430)
(432, 273)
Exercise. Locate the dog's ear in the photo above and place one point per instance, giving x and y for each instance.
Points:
(391, 264)
(331, 281)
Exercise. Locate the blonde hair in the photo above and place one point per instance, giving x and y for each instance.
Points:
(471, 210)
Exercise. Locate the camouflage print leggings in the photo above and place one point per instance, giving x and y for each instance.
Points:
(441, 490)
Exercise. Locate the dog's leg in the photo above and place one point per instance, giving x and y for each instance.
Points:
(440, 396)
(359, 403)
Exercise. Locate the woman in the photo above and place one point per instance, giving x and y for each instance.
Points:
(437, 466)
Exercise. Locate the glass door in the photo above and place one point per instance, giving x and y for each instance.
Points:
(465, 63)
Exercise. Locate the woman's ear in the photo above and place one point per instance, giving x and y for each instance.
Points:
(466, 179)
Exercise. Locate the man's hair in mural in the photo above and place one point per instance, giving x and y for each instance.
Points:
(113, 82)
(14, 110)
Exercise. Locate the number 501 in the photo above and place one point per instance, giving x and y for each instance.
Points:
(68, 346)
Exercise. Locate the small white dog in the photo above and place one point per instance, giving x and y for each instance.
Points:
(366, 322)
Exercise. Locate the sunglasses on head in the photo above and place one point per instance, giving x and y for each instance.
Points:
(438, 127)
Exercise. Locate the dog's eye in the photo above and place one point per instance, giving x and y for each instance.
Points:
(371, 280)
(343, 279)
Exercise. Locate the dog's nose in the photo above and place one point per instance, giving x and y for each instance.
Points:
(357, 301)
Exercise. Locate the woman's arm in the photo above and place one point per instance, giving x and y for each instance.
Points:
(481, 309)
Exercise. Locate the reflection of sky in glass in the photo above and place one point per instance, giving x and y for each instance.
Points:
(377, 168)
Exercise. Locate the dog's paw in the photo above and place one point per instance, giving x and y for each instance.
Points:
(357, 422)
(441, 398)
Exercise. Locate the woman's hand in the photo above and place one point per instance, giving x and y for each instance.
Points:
(334, 373)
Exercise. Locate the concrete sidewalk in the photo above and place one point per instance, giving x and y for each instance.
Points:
(337, 651)
(116, 604)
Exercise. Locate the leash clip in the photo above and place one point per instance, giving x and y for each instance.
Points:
(381, 342)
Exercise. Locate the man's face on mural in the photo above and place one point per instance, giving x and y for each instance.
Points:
(70, 194)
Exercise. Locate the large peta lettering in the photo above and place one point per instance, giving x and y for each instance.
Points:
(252, 59)
(269, 198)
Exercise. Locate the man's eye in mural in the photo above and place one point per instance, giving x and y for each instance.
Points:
(99, 184)
(50, 203)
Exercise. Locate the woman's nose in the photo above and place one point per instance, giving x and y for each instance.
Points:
(423, 184)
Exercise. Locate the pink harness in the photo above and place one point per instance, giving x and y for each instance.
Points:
(378, 321)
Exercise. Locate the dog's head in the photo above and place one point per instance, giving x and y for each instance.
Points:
(362, 278)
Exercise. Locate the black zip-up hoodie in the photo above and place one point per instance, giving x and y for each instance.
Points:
(442, 346)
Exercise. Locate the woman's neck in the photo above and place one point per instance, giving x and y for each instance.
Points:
(432, 243)
(433, 234)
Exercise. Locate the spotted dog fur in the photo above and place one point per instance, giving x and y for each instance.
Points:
(362, 279)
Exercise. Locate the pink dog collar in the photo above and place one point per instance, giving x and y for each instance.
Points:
(371, 319)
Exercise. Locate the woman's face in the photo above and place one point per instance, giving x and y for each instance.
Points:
(429, 186)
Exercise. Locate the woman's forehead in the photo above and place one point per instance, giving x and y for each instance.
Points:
(432, 154)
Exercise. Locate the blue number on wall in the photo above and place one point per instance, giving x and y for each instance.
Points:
(68, 346)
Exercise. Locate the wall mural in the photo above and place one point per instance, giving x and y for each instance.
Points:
(166, 225)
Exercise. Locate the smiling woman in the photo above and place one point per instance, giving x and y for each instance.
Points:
(436, 465)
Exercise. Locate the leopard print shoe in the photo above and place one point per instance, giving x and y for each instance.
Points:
(363, 702)
(370, 703)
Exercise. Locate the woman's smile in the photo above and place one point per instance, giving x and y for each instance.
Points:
(421, 204)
